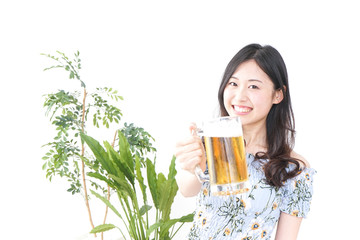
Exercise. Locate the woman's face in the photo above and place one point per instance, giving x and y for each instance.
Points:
(250, 94)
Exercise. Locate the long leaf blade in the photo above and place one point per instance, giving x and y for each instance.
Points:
(98, 151)
(144, 209)
(121, 164)
(124, 150)
(107, 202)
(101, 177)
(152, 181)
(165, 226)
(152, 228)
(140, 178)
(102, 228)
(172, 169)
(114, 158)
(124, 187)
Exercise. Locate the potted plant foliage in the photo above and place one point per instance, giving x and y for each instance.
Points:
(113, 171)
(123, 173)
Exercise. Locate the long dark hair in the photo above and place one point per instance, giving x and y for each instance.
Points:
(280, 125)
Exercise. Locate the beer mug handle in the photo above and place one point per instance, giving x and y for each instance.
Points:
(201, 176)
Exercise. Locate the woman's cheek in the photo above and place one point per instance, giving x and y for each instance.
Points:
(227, 100)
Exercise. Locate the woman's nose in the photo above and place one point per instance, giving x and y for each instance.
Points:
(241, 94)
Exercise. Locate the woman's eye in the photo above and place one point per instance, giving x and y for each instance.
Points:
(253, 87)
(232, 84)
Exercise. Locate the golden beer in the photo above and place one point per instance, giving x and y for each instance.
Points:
(226, 160)
(225, 156)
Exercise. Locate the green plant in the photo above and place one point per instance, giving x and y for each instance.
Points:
(69, 113)
(123, 174)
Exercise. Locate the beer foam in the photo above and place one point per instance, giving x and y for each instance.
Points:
(222, 130)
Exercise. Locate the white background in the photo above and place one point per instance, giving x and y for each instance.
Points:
(167, 58)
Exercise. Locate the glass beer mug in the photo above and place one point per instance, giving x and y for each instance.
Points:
(225, 156)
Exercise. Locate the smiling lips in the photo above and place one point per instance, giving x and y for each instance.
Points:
(242, 110)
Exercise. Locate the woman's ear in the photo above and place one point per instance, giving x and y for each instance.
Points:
(279, 95)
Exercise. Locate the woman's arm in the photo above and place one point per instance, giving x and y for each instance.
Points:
(288, 227)
(188, 183)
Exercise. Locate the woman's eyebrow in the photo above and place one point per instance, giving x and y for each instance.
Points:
(250, 80)
(255, 80)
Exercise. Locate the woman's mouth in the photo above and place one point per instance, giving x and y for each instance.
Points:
(241, 109)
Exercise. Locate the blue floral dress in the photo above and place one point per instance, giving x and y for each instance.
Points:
(252, 215)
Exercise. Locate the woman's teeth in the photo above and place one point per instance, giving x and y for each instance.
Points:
(242, 109)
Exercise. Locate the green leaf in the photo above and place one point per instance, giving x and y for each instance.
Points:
(165, 226)
(172, 169)
(120, 165)
(152, 228)
(114, 158)
(101, 177)
(123, 186)
(124, 150)
(152, 181)
(140, 178)
(44, 166)
(107, 203)
(167, 190)
(187, 218)
(94, 120)
(102, 228)
(98, 151)
(144, 209)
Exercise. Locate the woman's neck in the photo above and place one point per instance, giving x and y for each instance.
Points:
(255, 138)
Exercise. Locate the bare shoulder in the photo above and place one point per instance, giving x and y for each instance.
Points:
(304, 162)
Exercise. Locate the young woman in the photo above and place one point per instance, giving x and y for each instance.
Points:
(254, 87)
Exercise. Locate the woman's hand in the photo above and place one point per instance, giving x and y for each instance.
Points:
(190, 152)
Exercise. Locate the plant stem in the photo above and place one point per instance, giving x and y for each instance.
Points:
(123, 202)
(108, 193)
(147, 217)
(121, 233)
(172, 235)
(83, 164)
(106, 210)
(157, 229)
(140, 222)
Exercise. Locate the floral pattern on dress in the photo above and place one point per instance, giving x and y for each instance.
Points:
(252, 215)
